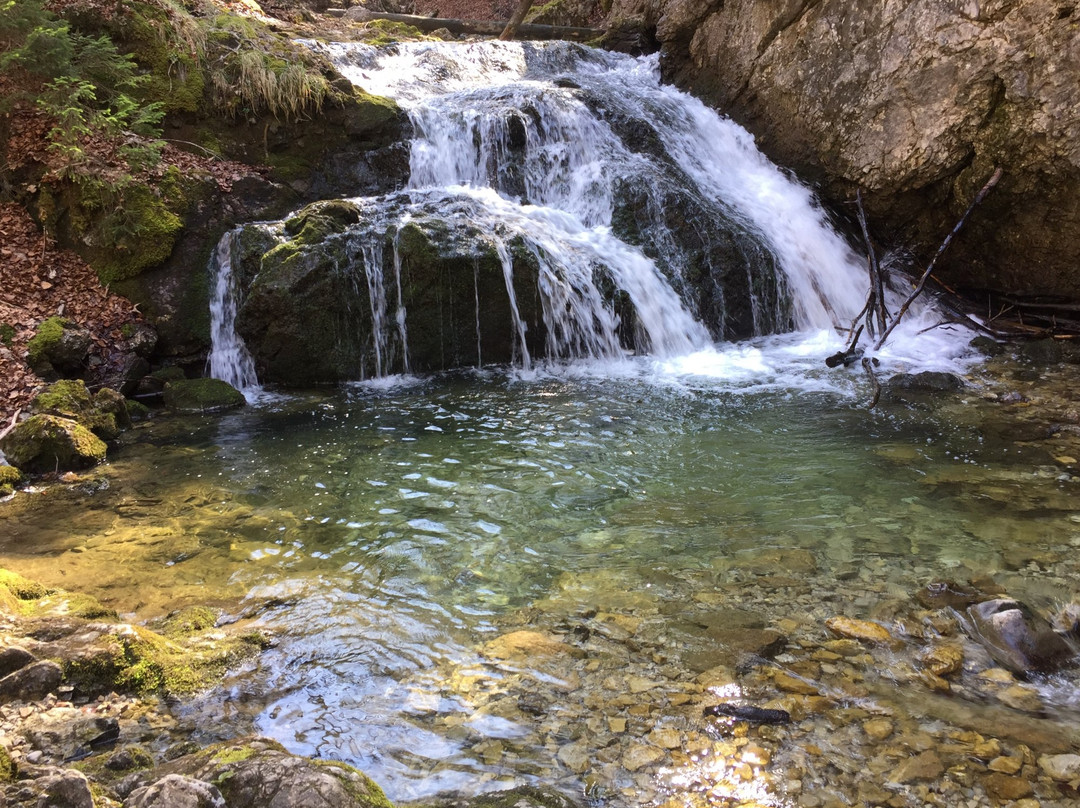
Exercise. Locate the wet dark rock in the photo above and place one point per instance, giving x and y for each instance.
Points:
(34, 681)
(748, 712)
(13, 658)
(947, 595)
(176, 791)
(987, 346)
(1041, 352)
(730, 646)
(125, 371)
(129, 758)
(1017, 638)
(918, 387)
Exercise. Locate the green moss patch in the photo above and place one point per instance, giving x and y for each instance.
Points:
(191, 396)
(48, 335)
(9, 478)
(21, 588)
(136, 660)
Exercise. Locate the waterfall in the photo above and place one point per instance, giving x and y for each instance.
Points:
(229, 359)
(569, 129)
(637, 219)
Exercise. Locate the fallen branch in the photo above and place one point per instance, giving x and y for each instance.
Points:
(875, 304)
(990, 183)
(868, 366)
(11, 426)
(480, 27)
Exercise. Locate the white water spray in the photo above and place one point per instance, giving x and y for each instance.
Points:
(229, 359)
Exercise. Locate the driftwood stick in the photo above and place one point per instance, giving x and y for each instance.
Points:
(990, 183)
(481, 27)
(11, 426)
(877, 287)
(868, 366)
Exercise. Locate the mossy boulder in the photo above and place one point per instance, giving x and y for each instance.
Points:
(105, 414)
(59, 346)
(260, 773)
(307, 315)
(9, 478)
(520, 797)
(44, 443)
(192, 396)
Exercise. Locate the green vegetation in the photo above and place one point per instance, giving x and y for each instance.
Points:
(7, 334)
(105, 75)
(45, 443)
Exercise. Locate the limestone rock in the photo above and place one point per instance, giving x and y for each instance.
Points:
(44, 443)
(1017, 638)
(176, 791)
(34, 681)
(926, 766)
(527, 645)
(1063, 768)
(1005, 788)
(915, 103)
(48, 786)
(65, 731)
(641, 755)
(942, 660)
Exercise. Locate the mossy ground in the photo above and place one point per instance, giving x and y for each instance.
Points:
(9, 478)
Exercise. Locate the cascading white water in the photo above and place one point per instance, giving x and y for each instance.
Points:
(584, 162)
(229, 359)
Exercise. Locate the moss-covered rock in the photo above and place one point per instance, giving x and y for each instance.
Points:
(520, 797)
(9, 478)
(103, 657)
(191, 396)
(20, 587)
(105, 414)
(44, 443)
(8, 769)
(257, 772)
(58, 344)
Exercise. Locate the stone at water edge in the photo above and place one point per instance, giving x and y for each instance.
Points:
(176, 791)
(1063, 768)
(34, 681)
(194, 396)
(1017, 638)
(44, 443)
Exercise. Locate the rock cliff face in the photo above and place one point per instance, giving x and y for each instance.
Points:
(914, 101)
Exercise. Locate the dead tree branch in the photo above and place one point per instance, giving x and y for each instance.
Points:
(933, 262)
(510, 31)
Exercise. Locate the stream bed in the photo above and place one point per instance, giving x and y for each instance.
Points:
(489, 578)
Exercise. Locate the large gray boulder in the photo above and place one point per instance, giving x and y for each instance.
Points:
(1019, 639)
(915, 103)
(259, 773)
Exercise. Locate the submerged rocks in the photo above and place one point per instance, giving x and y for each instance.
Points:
(1017, 638)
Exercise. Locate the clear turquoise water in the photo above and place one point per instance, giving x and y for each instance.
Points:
(386, 533)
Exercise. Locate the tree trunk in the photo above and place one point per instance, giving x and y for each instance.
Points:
(510, 31)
